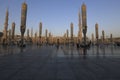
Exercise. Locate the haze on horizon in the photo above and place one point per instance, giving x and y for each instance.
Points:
(56, 15)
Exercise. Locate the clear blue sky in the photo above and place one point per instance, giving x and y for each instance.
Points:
(56, 15)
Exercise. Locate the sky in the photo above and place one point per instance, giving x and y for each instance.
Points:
(57, 15)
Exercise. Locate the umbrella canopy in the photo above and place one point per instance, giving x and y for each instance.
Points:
(1, 34)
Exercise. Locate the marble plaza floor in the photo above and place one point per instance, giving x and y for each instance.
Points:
(64, 63)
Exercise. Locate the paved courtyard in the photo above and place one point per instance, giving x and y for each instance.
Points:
(64, 63)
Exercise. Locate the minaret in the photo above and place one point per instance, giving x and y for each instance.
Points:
(80, 29)
(84, 21)
(13, 30)
(96, 31)
(40, 29)
(71, 26)
(5, 27)
(23, 21)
